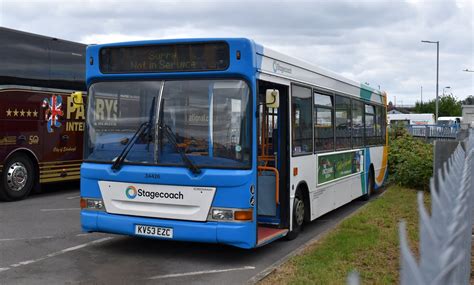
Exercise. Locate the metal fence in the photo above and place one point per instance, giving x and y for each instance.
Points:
(434, 132)
(446, 234)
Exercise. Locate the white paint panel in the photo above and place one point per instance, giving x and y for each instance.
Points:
(272, 54)
(305, 165)
(377, 159)
(298, 74)
(157, 201)
(376, 154)
(335, 194)
(374, 97)
(322, 200)
(273, 79)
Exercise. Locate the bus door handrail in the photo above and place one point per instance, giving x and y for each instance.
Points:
(277, 177)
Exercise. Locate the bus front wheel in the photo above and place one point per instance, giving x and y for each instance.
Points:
(17, 178)
(298, 216)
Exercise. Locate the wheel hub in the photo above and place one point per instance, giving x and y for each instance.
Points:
(299, 211)
(17, 176)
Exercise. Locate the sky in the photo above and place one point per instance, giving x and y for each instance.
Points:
(374, 42)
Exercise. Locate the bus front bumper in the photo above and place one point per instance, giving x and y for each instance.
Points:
(241, 234)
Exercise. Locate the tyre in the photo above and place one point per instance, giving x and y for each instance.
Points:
(297, 216)
(17, 178)
(370, 186)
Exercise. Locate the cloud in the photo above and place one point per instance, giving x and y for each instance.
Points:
(369, 41)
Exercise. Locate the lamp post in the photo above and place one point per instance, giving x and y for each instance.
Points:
(421, 95)
(447, 87)
(437, 74)
(467, 70)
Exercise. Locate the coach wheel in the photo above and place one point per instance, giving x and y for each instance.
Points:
(17, 178)
(370, 186)
(298, 216)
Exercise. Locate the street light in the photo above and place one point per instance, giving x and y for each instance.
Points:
(437, 74)
(467, 70)
(447, 87)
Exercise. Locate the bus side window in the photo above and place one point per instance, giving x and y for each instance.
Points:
(343, 122)
(323, 122)
(301, 119)
(358, 124)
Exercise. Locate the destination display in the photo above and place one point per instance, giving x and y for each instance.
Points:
(334, 166)
(165, 58)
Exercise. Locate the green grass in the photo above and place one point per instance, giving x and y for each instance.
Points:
(366, 242)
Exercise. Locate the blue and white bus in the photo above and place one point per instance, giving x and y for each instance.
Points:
(222, 141)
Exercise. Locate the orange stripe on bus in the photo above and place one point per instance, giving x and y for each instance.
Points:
(383, 167)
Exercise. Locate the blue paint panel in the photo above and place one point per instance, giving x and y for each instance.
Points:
(232, 186)
(236, 234)
(259, 50)
(365, 173)
(244, 67)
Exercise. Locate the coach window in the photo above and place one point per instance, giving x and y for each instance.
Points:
(343, 122)
(301, 120)
(323, 122)
(357, 123)
(370, 125)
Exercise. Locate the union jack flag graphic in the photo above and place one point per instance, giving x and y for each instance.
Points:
(53, 111)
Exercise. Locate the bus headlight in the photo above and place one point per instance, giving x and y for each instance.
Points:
(92, 204)
(230, 215)
(222, 215)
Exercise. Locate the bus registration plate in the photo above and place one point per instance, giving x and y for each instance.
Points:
(153, 231)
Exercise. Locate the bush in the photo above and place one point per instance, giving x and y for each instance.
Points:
(410, 160)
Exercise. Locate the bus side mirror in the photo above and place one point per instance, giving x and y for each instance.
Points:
(77, 99)
(272, 98)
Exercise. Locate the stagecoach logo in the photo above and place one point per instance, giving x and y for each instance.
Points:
(53, 112)
(278, 67)
(131, 192)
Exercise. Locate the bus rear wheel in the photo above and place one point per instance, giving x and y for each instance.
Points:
(370, 186)
(17, 178)
(298, 216)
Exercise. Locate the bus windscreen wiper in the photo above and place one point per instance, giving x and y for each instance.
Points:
(172, 138)
(143, 127)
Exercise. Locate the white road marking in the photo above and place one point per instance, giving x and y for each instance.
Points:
(33, 238)
(73, 197)
(81, 235)
(55, 254)
(201, 272)
(61, 209)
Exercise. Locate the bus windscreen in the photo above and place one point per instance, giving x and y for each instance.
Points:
(207, 56)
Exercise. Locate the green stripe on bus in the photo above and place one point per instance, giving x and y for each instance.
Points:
(365, 92)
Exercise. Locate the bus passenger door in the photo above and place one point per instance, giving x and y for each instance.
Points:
(272, 165)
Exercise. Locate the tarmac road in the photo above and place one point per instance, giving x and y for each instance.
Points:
(41, 243)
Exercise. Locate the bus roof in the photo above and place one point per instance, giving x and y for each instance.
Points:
(40, 61)
(268, 52)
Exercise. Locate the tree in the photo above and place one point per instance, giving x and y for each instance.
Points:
(469, 100)
(426, 107)
(448, 106)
